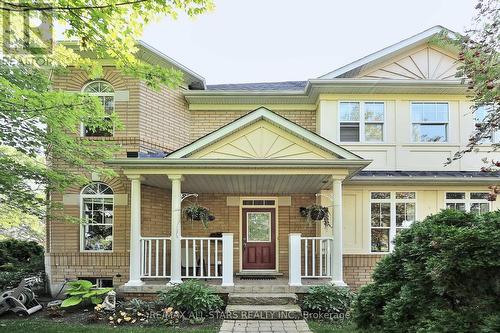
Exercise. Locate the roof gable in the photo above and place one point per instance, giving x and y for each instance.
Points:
(392, 55)
(422, 63)
(262, 134)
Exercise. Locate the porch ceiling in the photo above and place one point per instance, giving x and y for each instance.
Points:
(241, 184)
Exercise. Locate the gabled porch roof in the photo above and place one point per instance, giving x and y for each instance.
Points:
(260, 152)
(265, 115)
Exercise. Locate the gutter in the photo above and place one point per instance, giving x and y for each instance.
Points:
(250, 163)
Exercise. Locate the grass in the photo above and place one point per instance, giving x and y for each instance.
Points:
(40, 325)
(325, 327)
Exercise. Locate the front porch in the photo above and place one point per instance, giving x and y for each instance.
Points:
(299, 254)
(254, 173)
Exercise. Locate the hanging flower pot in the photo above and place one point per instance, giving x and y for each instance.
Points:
(315, 213)
(195, 212)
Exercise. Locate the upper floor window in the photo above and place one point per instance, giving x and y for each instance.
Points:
(105, 92)
(474, 202)
(429, 122)
(480, 115)
(97, 211)
(361, 121)
(390, 212)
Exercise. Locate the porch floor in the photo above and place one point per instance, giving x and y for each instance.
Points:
(277, 285)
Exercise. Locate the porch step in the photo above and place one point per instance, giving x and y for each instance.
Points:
(262, 298)
(263, 312)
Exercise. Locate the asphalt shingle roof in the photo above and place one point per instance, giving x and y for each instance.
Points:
(437, 174)
(262, 86)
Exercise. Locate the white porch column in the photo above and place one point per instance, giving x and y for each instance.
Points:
(227, 259)
(175, 230)
(294, 260)
(337, 260)
(135, 232)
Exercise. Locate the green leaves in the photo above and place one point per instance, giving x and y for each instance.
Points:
(191, 297)
(71, 301)
(83, 290)
(328, 299)
(442, 276)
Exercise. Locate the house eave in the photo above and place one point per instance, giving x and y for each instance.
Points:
(315, 87)
(236, 163)
(431, 181)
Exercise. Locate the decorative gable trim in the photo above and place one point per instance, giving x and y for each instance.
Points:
(389, 51)
(273, 118)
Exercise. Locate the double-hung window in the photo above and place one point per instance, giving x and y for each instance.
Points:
(390, 212)
(474, 202)
(429, 121)
(97, 211)
(361, 121)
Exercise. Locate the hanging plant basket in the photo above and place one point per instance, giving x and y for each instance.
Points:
(315, 213)
(195, 212)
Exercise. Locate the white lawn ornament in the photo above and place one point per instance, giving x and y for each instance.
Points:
(110, 301)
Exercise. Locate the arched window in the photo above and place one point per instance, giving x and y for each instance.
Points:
(97, 212)
(105, 92)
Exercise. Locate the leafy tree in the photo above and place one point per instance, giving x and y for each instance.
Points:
(39, 125)
(18, 225)
(441, 277)
(104, 29)
(479, 69)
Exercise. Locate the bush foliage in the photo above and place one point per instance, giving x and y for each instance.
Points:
(443, 276)
(19, 260)
(191, 297)
(328, 299)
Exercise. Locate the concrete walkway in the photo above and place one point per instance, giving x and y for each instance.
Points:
(265, 326)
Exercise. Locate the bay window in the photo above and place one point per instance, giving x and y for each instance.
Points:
(361, 121)
(429, 121)
(390, 212)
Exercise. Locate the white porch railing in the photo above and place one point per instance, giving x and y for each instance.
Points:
(155, 257)
(317, 254)
(309, 257)
(201, 258)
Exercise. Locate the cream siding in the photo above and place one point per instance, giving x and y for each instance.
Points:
(430, 200)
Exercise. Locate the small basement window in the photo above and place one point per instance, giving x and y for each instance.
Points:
(100, 282)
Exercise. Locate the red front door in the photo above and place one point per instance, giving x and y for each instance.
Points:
(259, 238)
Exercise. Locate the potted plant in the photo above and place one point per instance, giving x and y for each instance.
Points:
(315, 213)
(195, 212)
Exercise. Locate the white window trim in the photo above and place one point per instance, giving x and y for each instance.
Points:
(392, 228)
(82, 224)
(82, 126)
(447, 123)
(362, 122)
(467, 201)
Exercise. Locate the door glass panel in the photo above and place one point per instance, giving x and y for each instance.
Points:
(258, 227)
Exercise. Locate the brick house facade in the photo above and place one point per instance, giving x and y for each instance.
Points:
(282, 143)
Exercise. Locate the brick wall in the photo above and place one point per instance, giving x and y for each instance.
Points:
(164, 117)
(204, 122)
(358, 268)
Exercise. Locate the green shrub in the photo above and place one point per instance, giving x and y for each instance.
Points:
(191, 297)
(443, 276)
(27, 254)
(19, 260)
(328, 299)
(83, 290)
